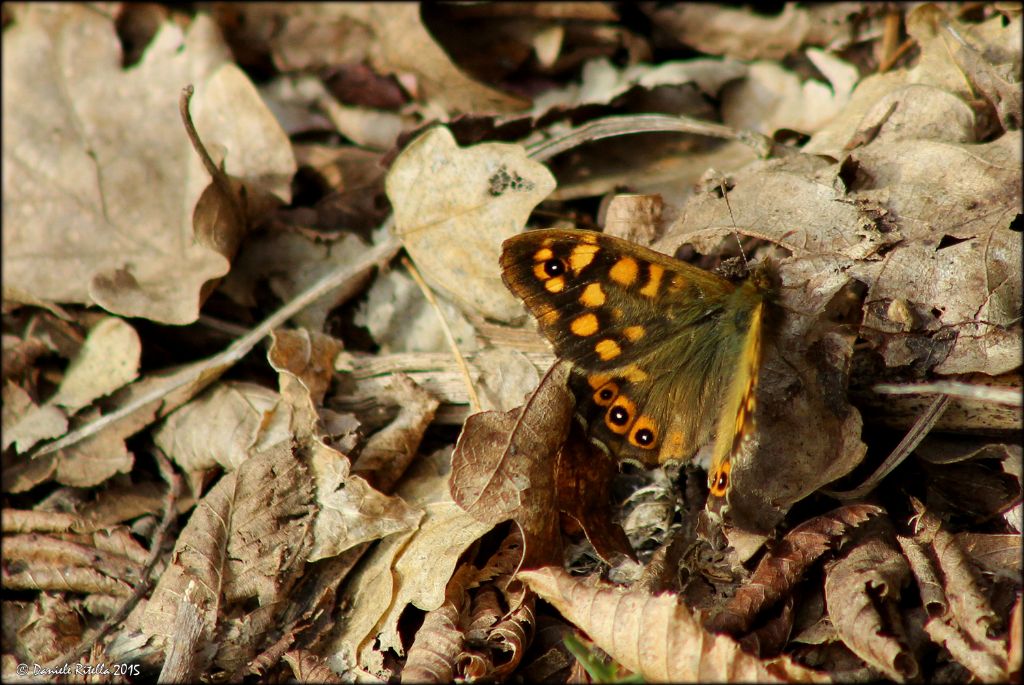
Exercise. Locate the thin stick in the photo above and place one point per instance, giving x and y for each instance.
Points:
(474, 399)
(907, 445)
(966, 391)
(618, 125)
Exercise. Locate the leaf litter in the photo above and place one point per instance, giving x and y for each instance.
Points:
(335, 509)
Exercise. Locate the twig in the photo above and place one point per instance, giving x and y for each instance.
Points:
(907, 445)
(608, 127)
(144, 585)
(967, 391)
(474, 399)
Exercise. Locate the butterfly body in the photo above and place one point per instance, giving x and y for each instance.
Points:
(665, 354)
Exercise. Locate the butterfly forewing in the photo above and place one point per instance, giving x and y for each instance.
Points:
(653, 340)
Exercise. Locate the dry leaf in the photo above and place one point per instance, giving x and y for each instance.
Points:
(601, 81)
(410, 568)
(960, 614)
(772, 98)
(400, 319)
(439, 641)
(737, 33)
(583, 479)
(655, 635)
(109, 359)
(871, 574)
(503, 465)
(291, 263)
(454, 207)
(114, 163)
(390, 37)
(224, 427)
(246, 542)
(784, 565)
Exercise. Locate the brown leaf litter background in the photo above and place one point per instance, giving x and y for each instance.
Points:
(276, 417)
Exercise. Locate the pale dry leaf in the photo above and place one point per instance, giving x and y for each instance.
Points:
(308, 356)
(429, 554)
(103, 553)
(454, 207)
(400, 319)
(98, 457)
(771, 97)
(371, 129)
(969, 290)
(25, 423)
(791, 201)
(224, 427)
(601, 81)
(938, 188)
(505, 377)
(388, 452)
(112, 172)
(404, 45)
(351, 511)
(109, 359)
(390, 36)
(739, 33)
(871, 574)
(931, 98)
(944, 40)
(656, 636)
(247, 541)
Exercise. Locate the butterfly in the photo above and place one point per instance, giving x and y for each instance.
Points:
(664, 354)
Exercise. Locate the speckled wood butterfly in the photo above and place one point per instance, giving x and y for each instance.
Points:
(665, 354)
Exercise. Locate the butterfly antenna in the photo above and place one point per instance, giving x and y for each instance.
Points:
(735, 231)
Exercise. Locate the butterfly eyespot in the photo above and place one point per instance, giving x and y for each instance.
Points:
(605, 394)
(718, 481)
(554, 267)
(644, 433)
(618, 416)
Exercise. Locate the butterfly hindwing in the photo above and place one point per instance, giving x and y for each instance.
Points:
(653, 340)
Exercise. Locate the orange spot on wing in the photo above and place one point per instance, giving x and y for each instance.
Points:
(634, 374)
(654, 282)
(543, 254)
(596, 380)
(624, 271)
(555, 285)
(581, 257)
(593, 296)
(584, 325)
(607, 349)
(633, 333)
